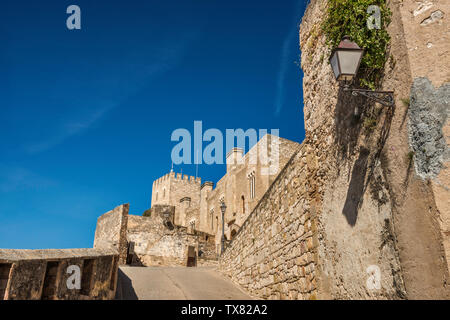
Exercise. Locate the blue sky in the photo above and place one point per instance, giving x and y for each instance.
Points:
(87, 115)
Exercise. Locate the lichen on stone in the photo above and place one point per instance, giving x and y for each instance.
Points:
(428, 114)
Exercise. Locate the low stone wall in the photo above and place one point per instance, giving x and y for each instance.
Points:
(45, 274)
(202, 262)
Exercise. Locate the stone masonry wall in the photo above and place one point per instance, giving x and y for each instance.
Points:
(273, 256)
(43, 274)
(346, 218)
(111, 231)
(157, 241)
(354, 207)
(264, 161)
(156, 246)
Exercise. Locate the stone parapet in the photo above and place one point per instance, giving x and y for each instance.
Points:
(51, 274)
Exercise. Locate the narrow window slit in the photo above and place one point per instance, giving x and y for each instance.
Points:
(86, 278)
(49, 289)
(112, 282)
(5, 269)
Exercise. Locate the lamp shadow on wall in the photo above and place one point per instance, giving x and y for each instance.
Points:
(349, 128)
(347, 124)
(355, 192)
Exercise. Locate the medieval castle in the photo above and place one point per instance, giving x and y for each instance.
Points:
(197, 204)
(359, 210)
(186, 226)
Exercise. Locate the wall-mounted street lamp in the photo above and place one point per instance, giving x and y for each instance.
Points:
(345, 61)
(223, 207)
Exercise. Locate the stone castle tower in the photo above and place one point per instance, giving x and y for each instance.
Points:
(179, 191)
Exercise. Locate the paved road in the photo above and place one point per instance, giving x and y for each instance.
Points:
(175, 283)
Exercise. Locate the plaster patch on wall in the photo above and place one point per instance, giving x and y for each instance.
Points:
(428, 113)
(423, 6)
(436, 16)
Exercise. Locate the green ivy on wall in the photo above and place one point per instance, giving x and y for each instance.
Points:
(349, 17)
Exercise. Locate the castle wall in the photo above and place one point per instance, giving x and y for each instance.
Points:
(426, 28)
(207, 250)
(421, 208)
(235, 184)
(42, 274)
(158, 242)
(205, 217)
(273, 254)
(154, 245)
(347, 213)
(352, 203)
(111, 231)
(192, 216)
(161, 190)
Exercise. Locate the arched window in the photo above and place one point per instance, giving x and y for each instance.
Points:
(164, 193)
(157, 196)
(243, 204)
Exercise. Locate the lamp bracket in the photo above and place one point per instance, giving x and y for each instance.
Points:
(386, 98)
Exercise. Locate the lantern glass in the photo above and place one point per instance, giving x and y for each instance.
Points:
(223, 207)
(335, 64)
(349, 61)
(345, 60)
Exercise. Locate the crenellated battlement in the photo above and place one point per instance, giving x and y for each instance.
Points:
(162, 179)
(177, 177)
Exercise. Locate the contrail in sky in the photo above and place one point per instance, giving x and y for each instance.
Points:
(288, 43)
